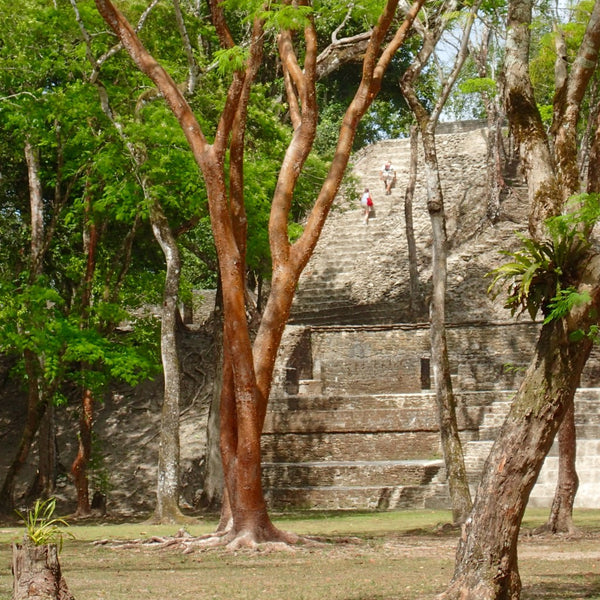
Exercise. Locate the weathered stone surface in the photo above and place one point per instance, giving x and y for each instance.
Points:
(353, 380)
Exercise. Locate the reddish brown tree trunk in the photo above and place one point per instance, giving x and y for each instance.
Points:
(84, 452)
(86, 414)
(247, 370)
(560, 519)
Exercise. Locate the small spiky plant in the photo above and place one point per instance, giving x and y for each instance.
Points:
(42, 527)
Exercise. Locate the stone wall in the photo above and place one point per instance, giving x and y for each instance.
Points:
(362, 431)
(395, 359)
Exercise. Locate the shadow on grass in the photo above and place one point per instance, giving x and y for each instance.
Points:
(565, 590)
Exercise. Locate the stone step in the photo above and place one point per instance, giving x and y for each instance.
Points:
(426, 400)
(346, 313)
(590, 395)
(367, 420)
(322, 446)
(364, 420)
(342, 316)
(587, 463)
(586, 448)
(348, 402)
(350, 473)
(389, 497)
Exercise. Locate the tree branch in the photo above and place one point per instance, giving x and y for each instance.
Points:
(187, 45)
(150, 67)
(373, 71)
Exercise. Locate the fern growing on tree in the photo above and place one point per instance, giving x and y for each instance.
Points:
(542, 274)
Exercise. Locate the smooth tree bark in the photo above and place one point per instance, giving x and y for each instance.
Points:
(168, 481)
(486, 563)
(416, 308)
(36, 204)
(458, 484)
(36, 401)
(248, 367)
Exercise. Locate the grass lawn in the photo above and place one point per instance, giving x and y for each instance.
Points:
(400, 555)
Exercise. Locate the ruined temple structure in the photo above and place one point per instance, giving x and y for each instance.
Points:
(352, 422)
(352, 418)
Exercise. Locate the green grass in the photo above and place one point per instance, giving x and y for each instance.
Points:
(400, 555)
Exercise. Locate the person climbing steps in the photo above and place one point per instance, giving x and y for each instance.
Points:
(366, 203)
(388, 176)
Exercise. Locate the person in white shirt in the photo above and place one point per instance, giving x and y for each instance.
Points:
(388, 176)
(366, 203)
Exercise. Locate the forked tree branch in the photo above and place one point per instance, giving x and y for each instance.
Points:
(238, 131)
(374, 66)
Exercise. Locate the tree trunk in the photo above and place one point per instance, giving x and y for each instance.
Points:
(460, 495)
(495, 177)
(86, 415)
(212, 492)
(248, 369)
(45, 479)
(593, 176)
(36, 403)
(486, 565)
(450, 441)
(35, 412)
(37, 574)
(560, 519)
(36, 203)
(168, 485)
(451, 445)
(84, 452)
(416, 307)
(47, 469)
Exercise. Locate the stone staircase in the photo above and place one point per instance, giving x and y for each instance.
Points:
(351, 452)
(359, 274)
(352, 421)
(382, 451)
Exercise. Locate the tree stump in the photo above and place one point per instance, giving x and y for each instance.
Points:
(37, 574)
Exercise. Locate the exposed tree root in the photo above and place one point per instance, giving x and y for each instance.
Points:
(548, 530)
(186, 543)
